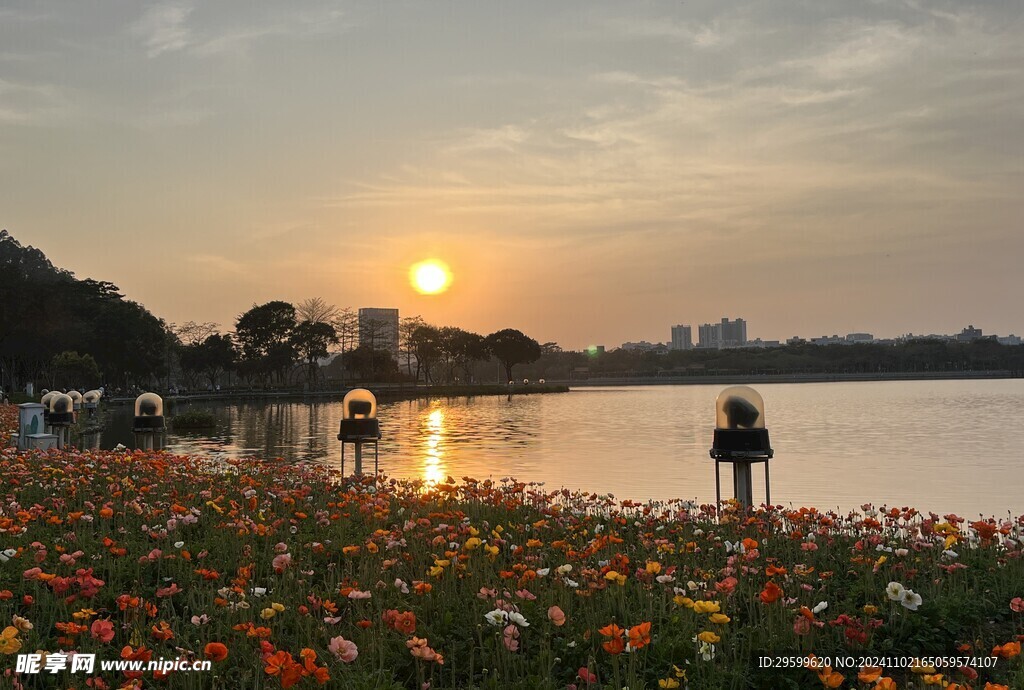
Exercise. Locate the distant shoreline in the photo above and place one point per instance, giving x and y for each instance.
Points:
(719, 379)
(384, 393)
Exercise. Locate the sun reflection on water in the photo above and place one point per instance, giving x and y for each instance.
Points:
(434, 468)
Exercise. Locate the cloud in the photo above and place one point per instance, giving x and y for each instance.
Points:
(200, 31)
(162, 28)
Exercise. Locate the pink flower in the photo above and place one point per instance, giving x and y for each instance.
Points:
(281, 562)
(356, 594)
(586, 676)
(801, 626)
(343, 650)
(1017, 605)
(510, 637)
(727, 585)
(168, 591)
(32, 573)
(809, 546)
(525, 594)
(556, 616)
(102, 630)
(487, 593)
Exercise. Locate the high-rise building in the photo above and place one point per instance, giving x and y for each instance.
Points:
(378, 328)
(734, 333)
(682, 338)
(710, 335)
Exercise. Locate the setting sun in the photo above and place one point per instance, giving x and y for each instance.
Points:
(430, 277)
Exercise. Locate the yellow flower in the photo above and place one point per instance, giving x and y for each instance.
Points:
(950, 540)
(9, 642)
(83, 614)
(719, 618)
(613, 576)
(668, 683)
(680, 673)
(436, 571)
(472, 543)
(267, 613)
(870, 610)
(473, 532)
(709, 637)
(680, 600)
(706, 607)
(935, 679)
(277, 607)
(880, 561)
(653, 567)
(491, 551)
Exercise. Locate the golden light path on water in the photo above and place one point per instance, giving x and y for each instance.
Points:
(434, 469)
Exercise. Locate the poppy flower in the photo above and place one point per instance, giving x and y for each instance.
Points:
(215, 651)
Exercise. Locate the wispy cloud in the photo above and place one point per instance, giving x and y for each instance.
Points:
(162, 28)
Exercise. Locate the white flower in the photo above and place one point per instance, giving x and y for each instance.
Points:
(894, 591)
(571, 583)
(401, 586)
(259, 591)
(8, 555)
(518, 619)
(496, 617)
(911, 600)
(949, 553)
(543, 572)
(820, 607)
(563, 569)
(178, 544)
(902, 552)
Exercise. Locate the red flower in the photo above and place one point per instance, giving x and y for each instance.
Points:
(771, 593)
(215, 651)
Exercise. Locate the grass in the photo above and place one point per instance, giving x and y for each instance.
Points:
(307, 578)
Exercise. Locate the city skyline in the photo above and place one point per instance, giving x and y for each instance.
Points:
(589, 172)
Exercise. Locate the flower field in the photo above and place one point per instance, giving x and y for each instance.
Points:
(287, 575)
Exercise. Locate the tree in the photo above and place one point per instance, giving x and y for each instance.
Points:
(460, 349)
(70, 369)
(311, 341)
(316, 310)
(406, 327)
(346, 328)
(211, 358)
(512, 347)
(425, 343)
(193, 333)
(264, 337)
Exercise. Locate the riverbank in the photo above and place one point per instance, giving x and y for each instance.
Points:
(734, 379)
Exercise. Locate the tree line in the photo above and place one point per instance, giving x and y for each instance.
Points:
(60, 331)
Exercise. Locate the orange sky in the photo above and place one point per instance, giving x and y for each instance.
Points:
(593, 172)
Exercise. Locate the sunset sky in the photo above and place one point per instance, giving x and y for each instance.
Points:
(592, 171)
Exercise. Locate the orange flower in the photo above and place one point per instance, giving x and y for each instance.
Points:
(885, 683)
(611, 630)
(1006, 651)
(831, 680)
(996, 686)
(640, 635)
(771, 593)
(614, 646)
(869, 674)
(215, 651)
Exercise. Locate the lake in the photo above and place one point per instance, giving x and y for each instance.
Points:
(946, 446)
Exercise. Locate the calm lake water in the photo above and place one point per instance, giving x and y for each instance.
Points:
(947, 446)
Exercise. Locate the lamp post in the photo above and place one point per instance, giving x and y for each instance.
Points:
(359, 425)
(149, 420)
(741, 439)
(62, 416)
